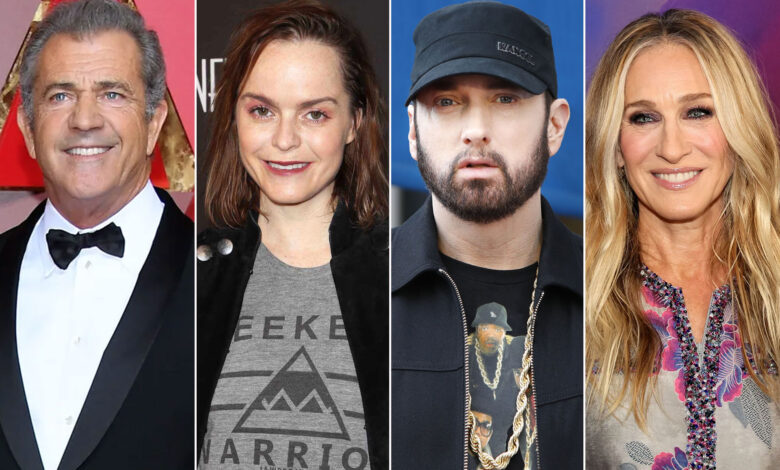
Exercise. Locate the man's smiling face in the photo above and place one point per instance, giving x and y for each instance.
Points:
(89, 132)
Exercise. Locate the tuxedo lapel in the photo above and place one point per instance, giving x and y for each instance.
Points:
(134, 335)
(14, 415)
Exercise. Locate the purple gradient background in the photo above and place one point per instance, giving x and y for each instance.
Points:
(755, 22)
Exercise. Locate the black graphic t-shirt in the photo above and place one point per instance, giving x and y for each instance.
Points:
(497, 308)
(287, 397)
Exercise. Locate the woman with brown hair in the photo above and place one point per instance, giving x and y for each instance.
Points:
(683, 252)
(292, 282)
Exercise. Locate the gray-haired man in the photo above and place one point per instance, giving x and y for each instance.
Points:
(96, 300)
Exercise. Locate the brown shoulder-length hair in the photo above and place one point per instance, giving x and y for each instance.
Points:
(361, 181)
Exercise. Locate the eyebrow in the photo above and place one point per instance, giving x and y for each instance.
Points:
(112, 84)
(101, 85)
(683, 99)
(58, 86)
(304, 104)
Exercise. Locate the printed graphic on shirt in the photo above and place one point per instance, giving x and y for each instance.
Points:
(496, 359)
(292, 421)
(296, 389)
(288, 396)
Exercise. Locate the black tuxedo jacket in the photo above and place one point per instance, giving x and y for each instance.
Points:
(139, 410)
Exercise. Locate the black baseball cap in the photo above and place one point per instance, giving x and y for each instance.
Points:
(488, 38)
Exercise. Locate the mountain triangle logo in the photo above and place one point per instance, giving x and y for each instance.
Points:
(298, 397)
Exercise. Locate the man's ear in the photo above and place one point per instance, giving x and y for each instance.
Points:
(155, 125)
(410, 110)
(556, 124)
(24, 126)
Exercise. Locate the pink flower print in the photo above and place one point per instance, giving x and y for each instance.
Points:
(659, 315)
(667, 461)
(671, 358)
(659, 322)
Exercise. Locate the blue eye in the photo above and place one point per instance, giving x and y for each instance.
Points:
(112, 95)
(504, 99)
(58, 97)
(642, 118)
(699, 112)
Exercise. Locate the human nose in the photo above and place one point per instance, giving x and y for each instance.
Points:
(86, 115)
(477, 127)
(674, 143)
(286, 135)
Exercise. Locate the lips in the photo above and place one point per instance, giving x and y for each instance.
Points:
(286, 168)
(287, 165)
(676, 178)
(476, 162)
(476, 168)
(87, 151)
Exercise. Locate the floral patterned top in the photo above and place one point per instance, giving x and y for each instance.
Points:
(707, 411)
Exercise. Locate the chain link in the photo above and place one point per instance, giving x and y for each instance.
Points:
(492, 385)
(523, 413)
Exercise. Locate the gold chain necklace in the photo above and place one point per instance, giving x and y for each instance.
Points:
(492, 385)
(523, 413)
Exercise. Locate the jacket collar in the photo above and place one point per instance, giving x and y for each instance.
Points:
(341, 231)
(415, 247)
(416, 250)
(560, 262)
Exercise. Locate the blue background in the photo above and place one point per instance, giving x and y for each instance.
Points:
(563, 186)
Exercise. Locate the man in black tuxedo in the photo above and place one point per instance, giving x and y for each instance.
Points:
(96, 286)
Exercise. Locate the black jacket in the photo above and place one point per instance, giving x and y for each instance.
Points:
(138, 413)
(360, 274)
(428, 350)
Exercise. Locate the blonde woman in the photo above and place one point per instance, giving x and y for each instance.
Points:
(683, 252)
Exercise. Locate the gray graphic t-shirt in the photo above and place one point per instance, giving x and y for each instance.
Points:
(287, 397)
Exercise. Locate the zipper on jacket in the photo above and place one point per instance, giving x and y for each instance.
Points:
(465, 370)
(533, 385)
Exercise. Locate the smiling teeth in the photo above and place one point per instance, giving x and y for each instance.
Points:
(293, 166)
(87, 151)
(677, 177)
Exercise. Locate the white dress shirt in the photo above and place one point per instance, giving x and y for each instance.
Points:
(65, 318)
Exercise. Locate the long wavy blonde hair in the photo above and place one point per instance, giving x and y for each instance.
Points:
(622, 346)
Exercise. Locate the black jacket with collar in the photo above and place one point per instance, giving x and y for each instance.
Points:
(428, 349)
(360, 274)
(138, 412)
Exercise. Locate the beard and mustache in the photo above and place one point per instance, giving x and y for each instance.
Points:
(485, 200)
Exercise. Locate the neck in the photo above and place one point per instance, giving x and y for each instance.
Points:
(680, 252)
(510, 243)
(298, 234)
(89, 213)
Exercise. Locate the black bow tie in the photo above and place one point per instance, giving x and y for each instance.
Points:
(64, 246)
